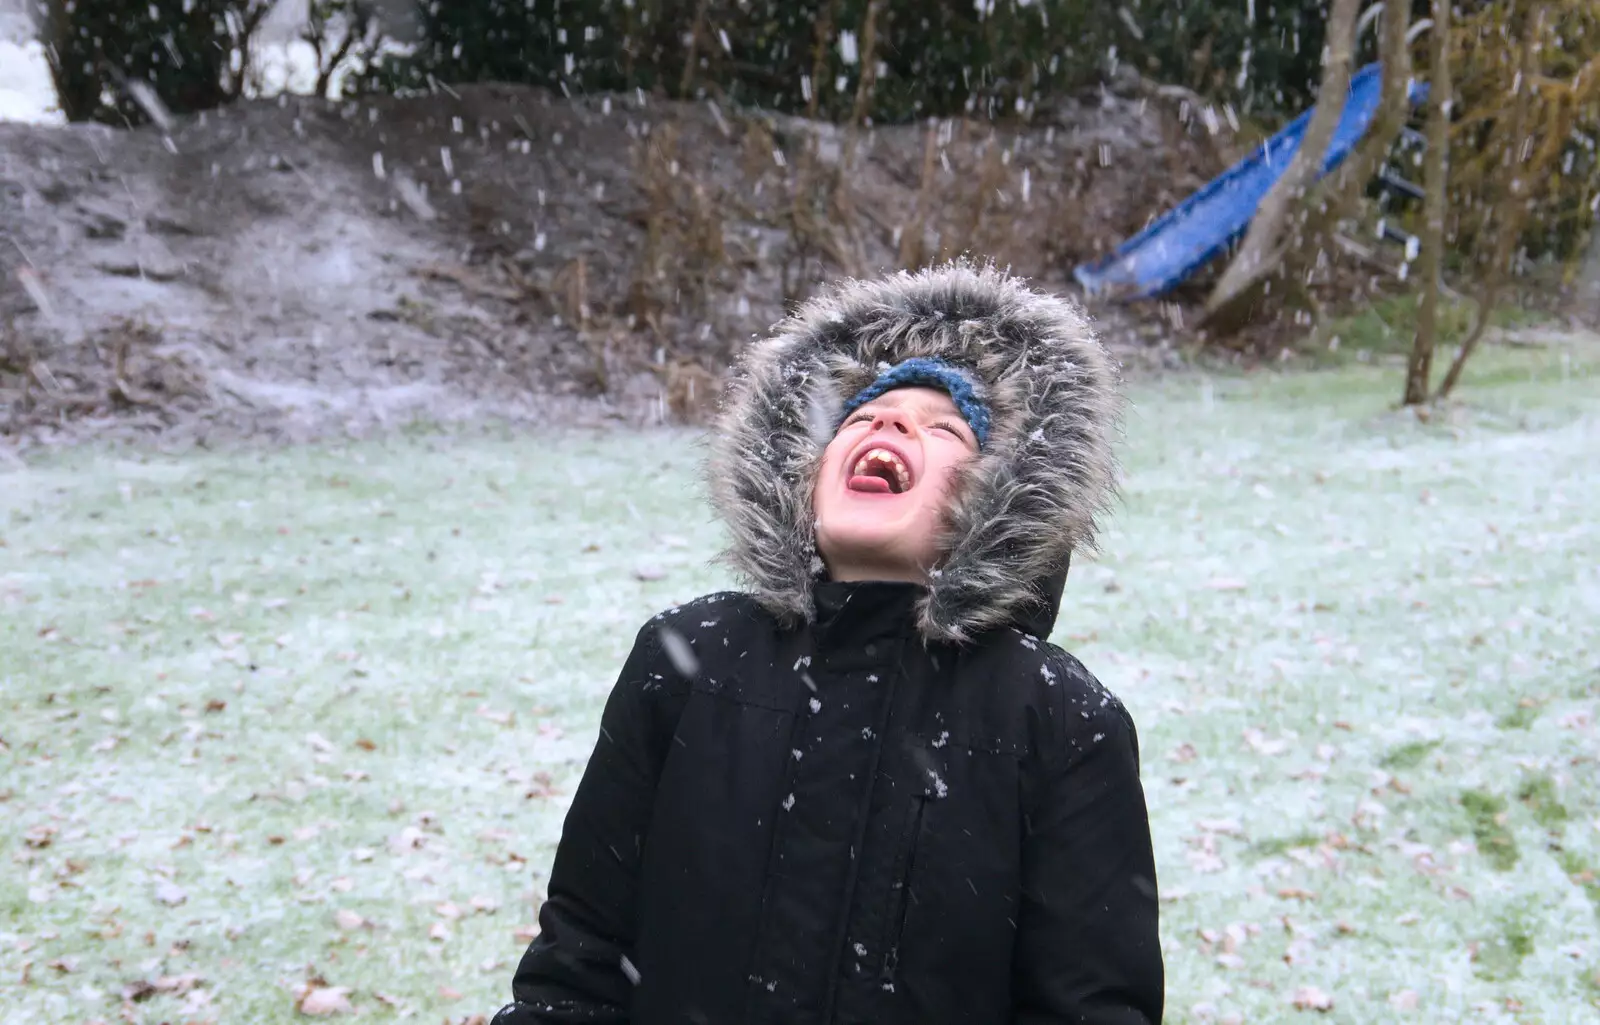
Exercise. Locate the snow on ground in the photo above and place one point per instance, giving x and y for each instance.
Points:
(26, 92)
(274, 712)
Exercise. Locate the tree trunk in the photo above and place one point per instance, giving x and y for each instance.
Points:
(869, 64)
(1262, 250)
(819, 57)
(1419, 370)
(1588, 284)
(1512, 210)
(1339, 193)
(695, 32)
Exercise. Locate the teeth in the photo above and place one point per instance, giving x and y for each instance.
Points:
(887, 459)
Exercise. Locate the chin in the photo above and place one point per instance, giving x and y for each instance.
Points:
(883, 545)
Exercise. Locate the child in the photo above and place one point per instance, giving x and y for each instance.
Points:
(868, 791)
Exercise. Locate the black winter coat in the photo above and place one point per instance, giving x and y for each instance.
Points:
(837, 824)
(871, 804)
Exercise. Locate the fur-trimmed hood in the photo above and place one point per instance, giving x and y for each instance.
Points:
(1025, 504)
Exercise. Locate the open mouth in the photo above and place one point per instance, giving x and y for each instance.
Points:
(881, 472)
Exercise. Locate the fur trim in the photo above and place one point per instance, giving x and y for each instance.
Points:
(1026, 503)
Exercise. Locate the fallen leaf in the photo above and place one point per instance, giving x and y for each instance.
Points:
(65, 965)
(347, 920)
(177, 984)
(1295, 893)
(485, 905)
(138, 990)
(648, 573)
(447, 911)
(170, 893)
(39, 837)
(1404, 1000)
(366, 745)
(446, 993)
(1225, 827)
(438, 931)
(1226, 584)
(323, 1000)
(1310, 998)
(319, 742)
(1183, 753)
(408, 839)
(216, 705)
(526, 933)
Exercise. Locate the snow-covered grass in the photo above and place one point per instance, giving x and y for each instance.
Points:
(271, 716)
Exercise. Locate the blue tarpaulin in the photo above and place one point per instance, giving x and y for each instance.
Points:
(1181, 240)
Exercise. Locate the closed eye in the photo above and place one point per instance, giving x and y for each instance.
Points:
(945, 425)
(858, 418)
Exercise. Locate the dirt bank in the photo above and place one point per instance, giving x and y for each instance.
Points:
(298, 266)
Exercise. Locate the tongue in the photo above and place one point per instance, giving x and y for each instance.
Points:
(876, 485)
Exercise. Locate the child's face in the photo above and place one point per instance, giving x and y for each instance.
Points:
(884, 482)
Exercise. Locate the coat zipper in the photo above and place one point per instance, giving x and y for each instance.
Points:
(902, 903)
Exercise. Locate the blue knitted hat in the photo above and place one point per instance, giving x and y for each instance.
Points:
(963, 388)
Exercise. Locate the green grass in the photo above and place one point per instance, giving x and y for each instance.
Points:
(1521, 717)
(1277, 846)
(1388, 325)
(1538, 794)
(1501, 958)
(1495, 840)
(1582, 874)
(330, 695)
(1408, 755)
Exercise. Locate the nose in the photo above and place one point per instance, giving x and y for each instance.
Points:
(893, 418)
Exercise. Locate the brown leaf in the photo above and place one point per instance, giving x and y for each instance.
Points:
(1295, 893)
(1310, 998)
(40, 836)
(65, 965)
(485, 905)
(216, 705)
(138, 990)
(324, 1000)
(366, 745)
(347, 920)
(177, 984)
